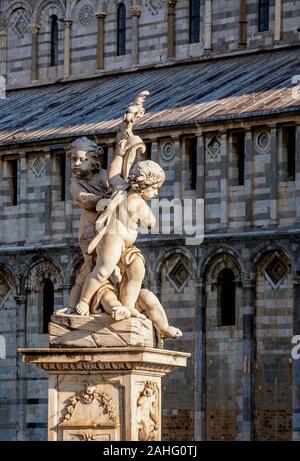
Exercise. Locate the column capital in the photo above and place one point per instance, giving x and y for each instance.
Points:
(101, 15)
(20, 299)
(35, 28)
(68, 23)
(135, 10)
(171, 3)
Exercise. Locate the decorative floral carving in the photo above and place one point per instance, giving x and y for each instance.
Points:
(86, 15)
(90, 393)
(88, 436)
(96, 366)
(148, 414)
(167, 151)
(263, 142)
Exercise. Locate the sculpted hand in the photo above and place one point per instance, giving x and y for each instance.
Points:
(122, 147)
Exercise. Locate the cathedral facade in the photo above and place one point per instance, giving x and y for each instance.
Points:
(223, 121)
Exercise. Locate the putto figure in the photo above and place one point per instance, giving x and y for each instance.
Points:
(113, 208)
(120, 232)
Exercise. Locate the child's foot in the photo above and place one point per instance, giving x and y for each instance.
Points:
(82, 308)
(120, 313)
(136, 313)
(172, 332)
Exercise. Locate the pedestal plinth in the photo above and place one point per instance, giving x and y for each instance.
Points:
(105, 393)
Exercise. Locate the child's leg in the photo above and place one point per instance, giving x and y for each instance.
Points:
(107, 260)
(80, 279)
(112, 306)
(150, 304)
(130, 289)
(120, 312)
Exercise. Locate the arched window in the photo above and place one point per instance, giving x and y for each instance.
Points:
(226, 297)
(54, 41)
(121, 42)
(194, 21)
(263, 15)
(48, 304)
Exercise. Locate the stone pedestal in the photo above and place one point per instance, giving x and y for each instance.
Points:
(107, 394)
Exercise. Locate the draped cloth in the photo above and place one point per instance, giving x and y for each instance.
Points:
(104, 219)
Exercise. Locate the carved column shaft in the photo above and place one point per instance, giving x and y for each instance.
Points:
(100, 39)
(248, 310)
(296, 363)
(224, 181)
(273, 177)
(207, 25)
(3, 53)
(297, 176)
(171, 28)
(68, 27)
(243, 23)
(21, 383)
(135, 13)
(22, 179)
(34, 52)
(277, 27)
(249, 170)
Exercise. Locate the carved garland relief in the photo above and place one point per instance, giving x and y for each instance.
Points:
(90, 393)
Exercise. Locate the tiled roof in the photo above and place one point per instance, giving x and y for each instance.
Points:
(204, 91)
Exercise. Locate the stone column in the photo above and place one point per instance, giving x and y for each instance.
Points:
(135, 13)
(277, 26)
(3, 53)
(20, 370)
(207, 25)
(171, 28)
(67, 48)
(248, 310)
(177, 170)
(101, 15)
(199, 361)
(48, 195)
(155, 152)
(249, 172)
(273, 177)
(22, 181)
(200, 187)
(68, 197)
(2, 163)
(34, 52)
(243, 23)
(224, 180)
(296, 363)
(297, 177)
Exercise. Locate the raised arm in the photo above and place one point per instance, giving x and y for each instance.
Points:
(115, 171)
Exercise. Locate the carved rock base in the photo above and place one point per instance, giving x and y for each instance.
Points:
(108, 394)
(100, 330)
